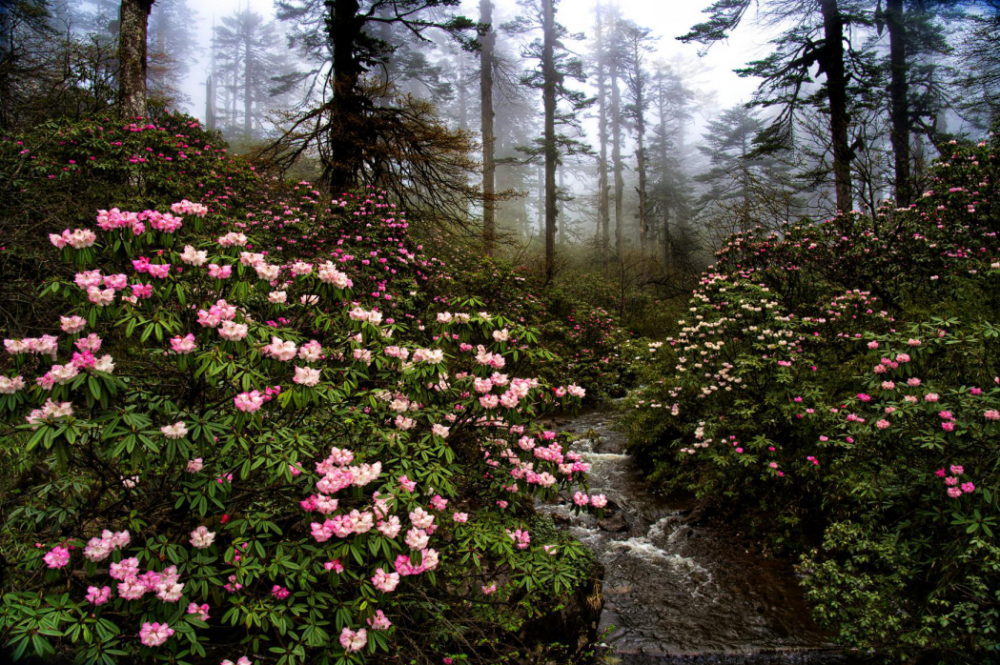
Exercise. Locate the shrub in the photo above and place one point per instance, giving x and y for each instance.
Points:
(837, 385)
(261, 436)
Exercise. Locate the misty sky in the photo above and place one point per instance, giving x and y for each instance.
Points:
(667, 19)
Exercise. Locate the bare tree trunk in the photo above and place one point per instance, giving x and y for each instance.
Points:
(561, 193)
(836, 87)
(603, 216)
(640, 154)
(487, 115)
(551, 150)
(247, 88)
(616, 153)
(541, 200)
(661, 110)
(899, 108)
(345, 139)
(134, 24)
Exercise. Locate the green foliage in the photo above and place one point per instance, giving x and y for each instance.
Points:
(325, 354)
(836, 384)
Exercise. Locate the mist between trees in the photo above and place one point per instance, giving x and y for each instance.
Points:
(495, 122)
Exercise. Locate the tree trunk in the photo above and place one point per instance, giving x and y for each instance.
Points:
(899, 108)
(486, 108)
(247, 96)
(134, 24)
(603, 216)
(551, 150)
(836, 88)
(345, 139)
(616, 153)
(541, 200)
(640, 154)
(661, 110)
(561, 203)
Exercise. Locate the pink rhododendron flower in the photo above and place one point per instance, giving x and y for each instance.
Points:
(182, 345)
(154, 634)
(306, 376)
(385, 582)
(200, 610)
(98, 596)
(353, 640)
(380, 621)
(202, 538)
(57, 557)
(176, 431)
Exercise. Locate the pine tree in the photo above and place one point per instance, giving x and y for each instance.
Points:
(171, 52)
(816, 37)
(638, 43)
(671, 102)
(555, 65)
(599, 68)
(486, 66)
(250, 58)
(24, 27)
(357, 141)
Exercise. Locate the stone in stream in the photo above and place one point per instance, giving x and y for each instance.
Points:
(614, 523)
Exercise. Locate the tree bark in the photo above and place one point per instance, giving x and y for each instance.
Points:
(603, 216)
(640, 155)
(898, 94)
(616, 149)
(344, 140)
(247, 96)
(487, 115)
(133, 30)
(661, 110)
(551, 149)
(836, 88)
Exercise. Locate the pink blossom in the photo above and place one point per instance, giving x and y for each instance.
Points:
(353, 641)
(57, 557)
(98, 596)
(182, 345)
(202, 538)
(154, 634)
(380, 621)
(385, 582)
(200, 610)
(249, 402)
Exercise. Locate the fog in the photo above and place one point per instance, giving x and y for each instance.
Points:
(667, 19)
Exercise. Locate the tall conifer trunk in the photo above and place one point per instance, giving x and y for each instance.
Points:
(487, 115)
(133, 31)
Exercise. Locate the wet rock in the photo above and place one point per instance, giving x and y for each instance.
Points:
(561, 519)
(614, 524)
(697, 514)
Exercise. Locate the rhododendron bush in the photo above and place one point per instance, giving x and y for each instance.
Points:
(266, 439)
(838, 386)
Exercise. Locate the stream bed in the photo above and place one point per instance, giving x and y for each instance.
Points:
(675, 590)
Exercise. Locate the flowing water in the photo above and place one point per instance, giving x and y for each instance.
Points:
(674, 590)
